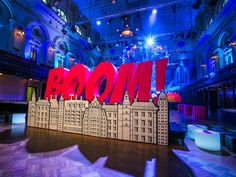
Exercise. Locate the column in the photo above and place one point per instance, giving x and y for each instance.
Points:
(11, 28)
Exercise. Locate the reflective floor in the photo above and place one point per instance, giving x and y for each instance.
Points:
(127, 157)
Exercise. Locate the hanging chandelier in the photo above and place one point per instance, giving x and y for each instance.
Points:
(127, 32)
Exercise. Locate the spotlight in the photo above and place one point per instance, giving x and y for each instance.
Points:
(150, 41)
(154, 11)
(98, 22)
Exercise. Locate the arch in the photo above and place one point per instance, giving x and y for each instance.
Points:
(30, 22)
(10, 8)
(36, 38)
(61, 49)
(7, 19)
(222, 37)
(181, 75)
(226, 56)
(60, 39)
(220, 5)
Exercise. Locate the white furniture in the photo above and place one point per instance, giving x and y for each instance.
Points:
(18, 118)
(208, 140)
(192, 128)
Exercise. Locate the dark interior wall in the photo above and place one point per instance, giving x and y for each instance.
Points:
(12, 88)
(213, 99)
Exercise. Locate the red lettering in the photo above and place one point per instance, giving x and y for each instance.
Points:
(55, 80)
(125, 72)
(104, 71)
(77, 77)
(141, 82)
(161, 73)
(136, 79)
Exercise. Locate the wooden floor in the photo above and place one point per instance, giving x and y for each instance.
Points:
(127, 157)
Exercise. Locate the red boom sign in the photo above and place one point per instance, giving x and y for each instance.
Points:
(136, 79)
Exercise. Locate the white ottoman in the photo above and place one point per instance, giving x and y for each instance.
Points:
(208, 140)
(192, 128)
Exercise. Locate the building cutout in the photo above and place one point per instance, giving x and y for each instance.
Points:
(139, 121)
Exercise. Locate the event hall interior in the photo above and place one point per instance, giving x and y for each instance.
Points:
(118, 88)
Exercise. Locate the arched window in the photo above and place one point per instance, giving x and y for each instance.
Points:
(33, 46)
(181, 75)
(60, 56)
(59, 60)
(32, 49)
(227, 50)
(62, 15)
(228, 54)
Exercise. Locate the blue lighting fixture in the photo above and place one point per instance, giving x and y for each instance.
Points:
(98, 22)
(152, 17)
(154, 11)
(150, 41)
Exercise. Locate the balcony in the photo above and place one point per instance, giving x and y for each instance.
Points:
(228, 73)
(22, 67)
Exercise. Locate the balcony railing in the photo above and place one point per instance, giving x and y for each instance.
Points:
(225, 74)
(22, 67)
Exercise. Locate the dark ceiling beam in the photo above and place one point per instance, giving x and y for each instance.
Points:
(129, 11)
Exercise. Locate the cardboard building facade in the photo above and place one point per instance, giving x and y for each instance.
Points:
(139, 121)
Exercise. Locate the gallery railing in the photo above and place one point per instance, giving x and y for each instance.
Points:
(22, 67)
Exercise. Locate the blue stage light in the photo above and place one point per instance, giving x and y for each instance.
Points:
(154, 11)
(98, 22)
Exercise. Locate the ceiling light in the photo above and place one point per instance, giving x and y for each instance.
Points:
(154, 11)
(150, 41)
(98, 22)
(113, 1)
(127, 32)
